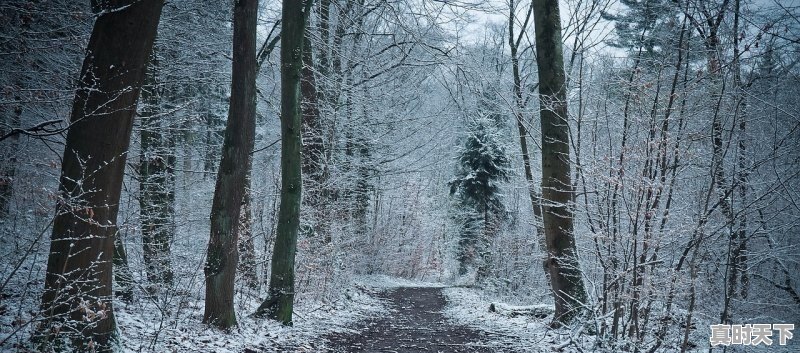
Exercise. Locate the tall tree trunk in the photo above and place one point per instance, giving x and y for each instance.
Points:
(313, 164)
(710, 31)
(739, 243)
(735, 269)
(156, 183)
(363, 187)
(365, 167)
(10, 118)
(247, 247)
(522, 131)
(79, 267)
(223, 254)
(122, 272)
(324, 37)
(280, 298)
(8, 156)
(565, 274)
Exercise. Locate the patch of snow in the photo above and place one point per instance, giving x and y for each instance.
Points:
(144, 329)
(384, 282)
(470, 307)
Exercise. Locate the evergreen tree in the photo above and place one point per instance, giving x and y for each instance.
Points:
(646, 26)
(482, 163)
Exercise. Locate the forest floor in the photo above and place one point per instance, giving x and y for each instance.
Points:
(372, 314)
(416, 324)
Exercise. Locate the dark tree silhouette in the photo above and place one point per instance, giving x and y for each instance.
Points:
(562, 262)
(280, 299)
(223, 253)
(76, 302)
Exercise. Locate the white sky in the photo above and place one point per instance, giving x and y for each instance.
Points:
(474, 20)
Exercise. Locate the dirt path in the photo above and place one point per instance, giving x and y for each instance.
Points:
(416, 324)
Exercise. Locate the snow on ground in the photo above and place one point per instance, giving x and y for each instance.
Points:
(143, 330)
(174, 323)
(470, 307)
(181, 330)
(381, 282)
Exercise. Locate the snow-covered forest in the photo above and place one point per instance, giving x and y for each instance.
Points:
(399, 175)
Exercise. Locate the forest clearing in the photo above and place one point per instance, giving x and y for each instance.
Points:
(399, 176)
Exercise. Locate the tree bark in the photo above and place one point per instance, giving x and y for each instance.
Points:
(312, 128)
(522, 131)
(223, 255)
(363, 186)
(156, 184)
(557, 215)
(11, 117)
(247, 247)
(280, 298)
(739, 241)
(79, 267)
(8, 156)
(313, 164)
(122, 272)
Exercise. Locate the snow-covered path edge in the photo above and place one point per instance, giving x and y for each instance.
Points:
(470, 307)
(142, 329)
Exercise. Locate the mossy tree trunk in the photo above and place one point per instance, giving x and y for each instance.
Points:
(76, 302)
(280, 298)
(562, 263)
(223, 254)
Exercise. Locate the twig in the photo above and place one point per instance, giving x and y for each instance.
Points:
(32, 131)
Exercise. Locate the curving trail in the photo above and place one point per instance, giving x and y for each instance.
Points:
(415, 325)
